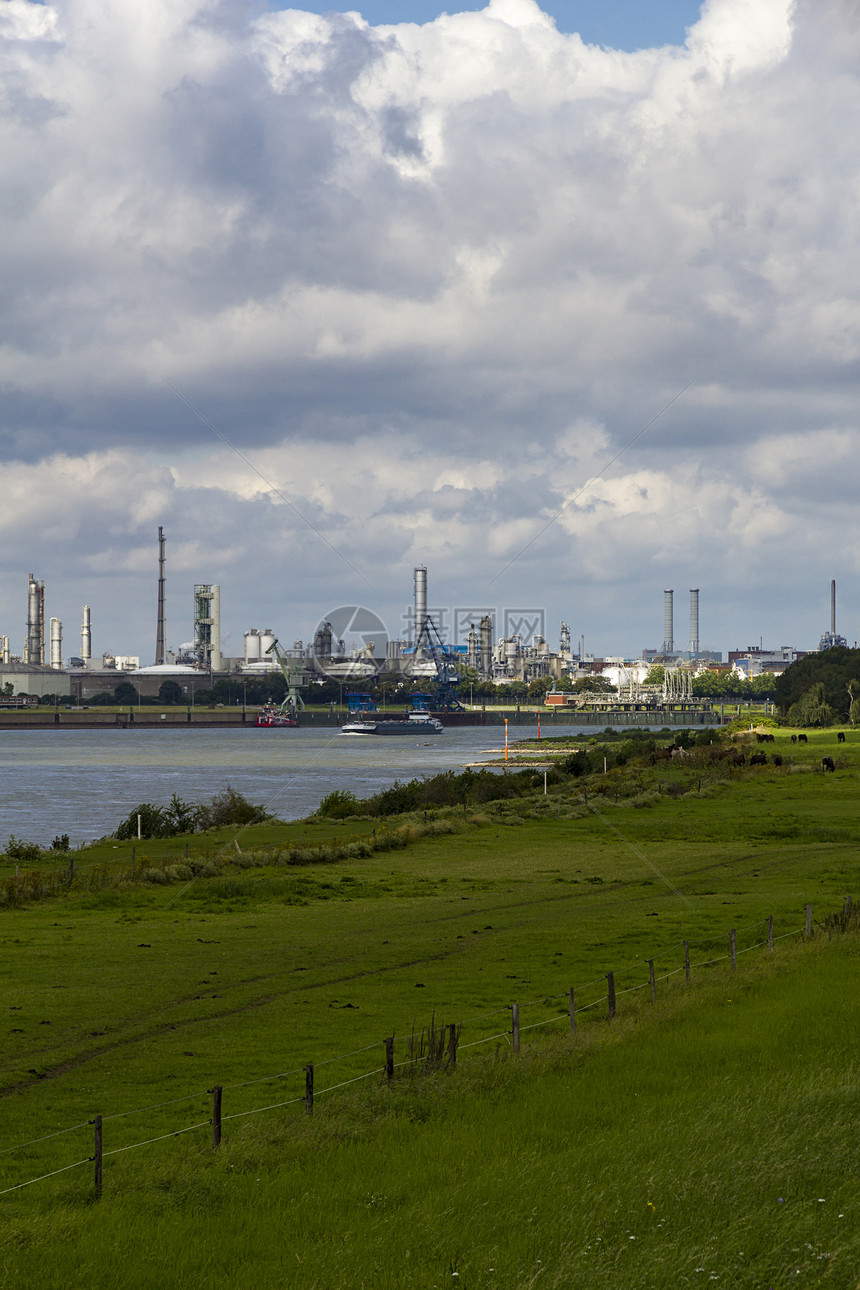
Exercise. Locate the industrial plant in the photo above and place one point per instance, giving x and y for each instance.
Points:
(351, 646)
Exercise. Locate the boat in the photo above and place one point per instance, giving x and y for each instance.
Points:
(414, 723)
(271, 716)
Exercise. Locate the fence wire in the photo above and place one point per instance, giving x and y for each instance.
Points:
(238, 1115)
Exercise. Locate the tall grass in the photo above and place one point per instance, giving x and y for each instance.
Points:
(703, 1140)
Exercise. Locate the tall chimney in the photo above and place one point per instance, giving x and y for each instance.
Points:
(160, 655)
(86, 638)
(694, 620)
(668, 628)
(420, 610)
(833, 608)
(56, 644)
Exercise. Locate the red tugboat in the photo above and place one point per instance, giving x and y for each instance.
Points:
(271, 715)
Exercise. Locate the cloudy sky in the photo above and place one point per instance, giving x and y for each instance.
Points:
(567, 318)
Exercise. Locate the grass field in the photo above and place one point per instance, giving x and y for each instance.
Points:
(673, 1125)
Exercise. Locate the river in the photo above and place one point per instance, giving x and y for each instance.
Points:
(83, 782)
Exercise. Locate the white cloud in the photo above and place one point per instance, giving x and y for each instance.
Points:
(430, 280)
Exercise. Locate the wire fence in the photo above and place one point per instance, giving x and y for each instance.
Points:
(432, 1047)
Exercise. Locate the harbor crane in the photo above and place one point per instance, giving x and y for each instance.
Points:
(295, 676)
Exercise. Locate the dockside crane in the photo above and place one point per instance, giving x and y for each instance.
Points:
(446, 663)
(296, 677)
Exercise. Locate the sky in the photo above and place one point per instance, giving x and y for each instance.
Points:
(569, 319)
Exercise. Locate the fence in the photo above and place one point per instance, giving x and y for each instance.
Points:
(433, 1048)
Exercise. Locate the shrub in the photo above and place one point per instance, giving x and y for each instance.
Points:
(23, 852)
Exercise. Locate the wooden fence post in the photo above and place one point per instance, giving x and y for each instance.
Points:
(610, 984)
(687, 959)
(515, 1027)
(133, 849)
(809, 922)
(309, 1088)
(97, 1157)
(847, 910)
(452, 1046)
(572, 1012)
(733, 948)
(389, 1059)
(216, 1116)
(653, 980)
(770, 932)
(71, 870)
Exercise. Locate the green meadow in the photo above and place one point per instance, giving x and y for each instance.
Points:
(702, 1137)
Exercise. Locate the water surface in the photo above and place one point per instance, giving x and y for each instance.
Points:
(83, 782)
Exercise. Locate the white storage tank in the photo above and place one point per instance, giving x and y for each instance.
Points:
(252, 646)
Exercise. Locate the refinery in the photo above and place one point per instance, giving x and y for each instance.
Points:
(352, 647)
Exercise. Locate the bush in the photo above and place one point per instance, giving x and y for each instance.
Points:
(339, 804)
(23, 852)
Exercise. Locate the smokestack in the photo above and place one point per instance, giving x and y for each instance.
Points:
(694, 620)
(56, 644)
(833, 608)
(4, 647)
(86, 639)
(160, 654)
(420, 609)
(668, 628)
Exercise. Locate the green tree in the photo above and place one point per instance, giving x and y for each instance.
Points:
(854, 693)
(812, 708)
(832, 668)
(656, 675)
(593, 685)
(125, 692)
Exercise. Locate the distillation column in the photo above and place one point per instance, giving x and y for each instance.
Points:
(35, 634)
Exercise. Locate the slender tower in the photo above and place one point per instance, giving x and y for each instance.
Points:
(35, 629)
(420, 610)
(668, 627)
(833, 608)
(56, 644)
(160, 653)
(694, 620)
(86, 638)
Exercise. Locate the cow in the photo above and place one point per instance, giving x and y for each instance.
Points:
(802, 739)
(738, 759)
(840, 738)
(776, 759)
(827, 763)
(758, 759)
(794, 739)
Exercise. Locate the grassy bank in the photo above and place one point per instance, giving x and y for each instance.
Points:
(125, 998)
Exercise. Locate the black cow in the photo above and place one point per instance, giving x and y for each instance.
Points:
(827, 763)
(776, 759)
(840, 738)
(794, 739)
(758, 759)
(802, 739)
